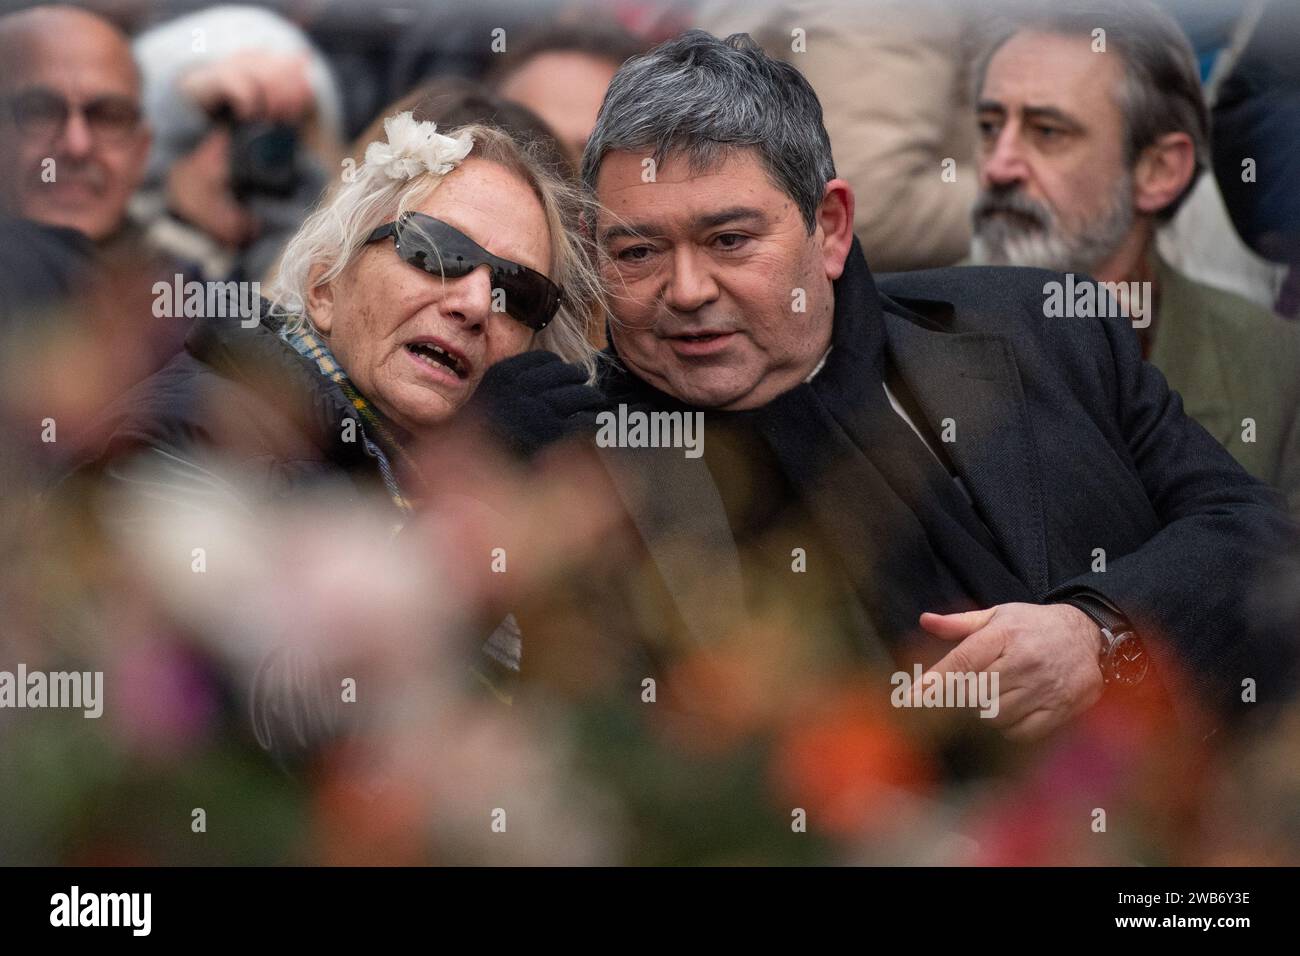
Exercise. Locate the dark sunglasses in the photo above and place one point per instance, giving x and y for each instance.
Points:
(42, 114)
(439, 249)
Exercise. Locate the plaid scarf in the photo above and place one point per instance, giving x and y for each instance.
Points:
(377, 434)
(501, 652)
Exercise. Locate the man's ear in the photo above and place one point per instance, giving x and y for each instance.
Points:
(320, 300)
(834, 228)
(1163, 171)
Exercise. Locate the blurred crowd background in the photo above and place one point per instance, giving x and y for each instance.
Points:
(253, 111)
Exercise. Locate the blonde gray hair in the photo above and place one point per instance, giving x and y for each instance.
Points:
(332, 237)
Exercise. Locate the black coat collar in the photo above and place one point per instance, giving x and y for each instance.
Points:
(970, 377)
(260, 359)
(966, 378)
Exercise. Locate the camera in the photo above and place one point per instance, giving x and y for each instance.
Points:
(263, 160)
(264, 157)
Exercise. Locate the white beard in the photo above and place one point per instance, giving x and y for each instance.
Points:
(996, 244)
(1041, 250)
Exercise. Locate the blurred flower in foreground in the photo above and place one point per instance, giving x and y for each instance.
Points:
(849, 765)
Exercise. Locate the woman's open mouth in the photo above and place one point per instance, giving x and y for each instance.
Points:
(438, 359)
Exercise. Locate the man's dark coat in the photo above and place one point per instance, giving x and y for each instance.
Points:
(1075, 452)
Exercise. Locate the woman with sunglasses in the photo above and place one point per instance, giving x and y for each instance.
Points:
(443, 272)
(443, 278)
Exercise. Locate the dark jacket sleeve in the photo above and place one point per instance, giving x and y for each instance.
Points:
(1192, 587)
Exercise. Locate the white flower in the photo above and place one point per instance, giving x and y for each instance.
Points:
(416, 147)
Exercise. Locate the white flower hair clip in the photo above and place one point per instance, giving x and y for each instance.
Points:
(416, 147)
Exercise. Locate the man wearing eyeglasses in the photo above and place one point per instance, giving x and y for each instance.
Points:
(72, 142)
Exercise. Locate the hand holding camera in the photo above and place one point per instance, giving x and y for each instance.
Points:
(257, 101)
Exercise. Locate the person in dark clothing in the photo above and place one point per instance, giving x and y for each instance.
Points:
(984, 489)
(76, 142)
(363, 327)
(1255, 144)
(40, 266)
(444, 282)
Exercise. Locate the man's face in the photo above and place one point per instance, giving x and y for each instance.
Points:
(565, 89)
(1055, 189)
(720, 297)
(70, 135)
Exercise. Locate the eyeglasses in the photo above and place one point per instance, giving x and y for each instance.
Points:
(439, 249)
(42, 114)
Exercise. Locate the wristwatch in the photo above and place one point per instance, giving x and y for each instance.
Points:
(1123, 658)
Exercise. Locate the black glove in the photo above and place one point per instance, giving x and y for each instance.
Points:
(533, 399)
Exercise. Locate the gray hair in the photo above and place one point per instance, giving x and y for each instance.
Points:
(702, 96)
(332, 237)
(1161, 90)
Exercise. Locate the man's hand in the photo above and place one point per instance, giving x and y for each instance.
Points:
(1045, 657)
(255, 85)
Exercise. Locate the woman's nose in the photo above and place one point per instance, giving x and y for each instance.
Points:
(471, 299)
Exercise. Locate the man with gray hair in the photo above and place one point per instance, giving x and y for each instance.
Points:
(931, 470)
(1093, 131)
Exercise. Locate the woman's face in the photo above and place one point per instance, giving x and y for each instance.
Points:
(380, 307)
